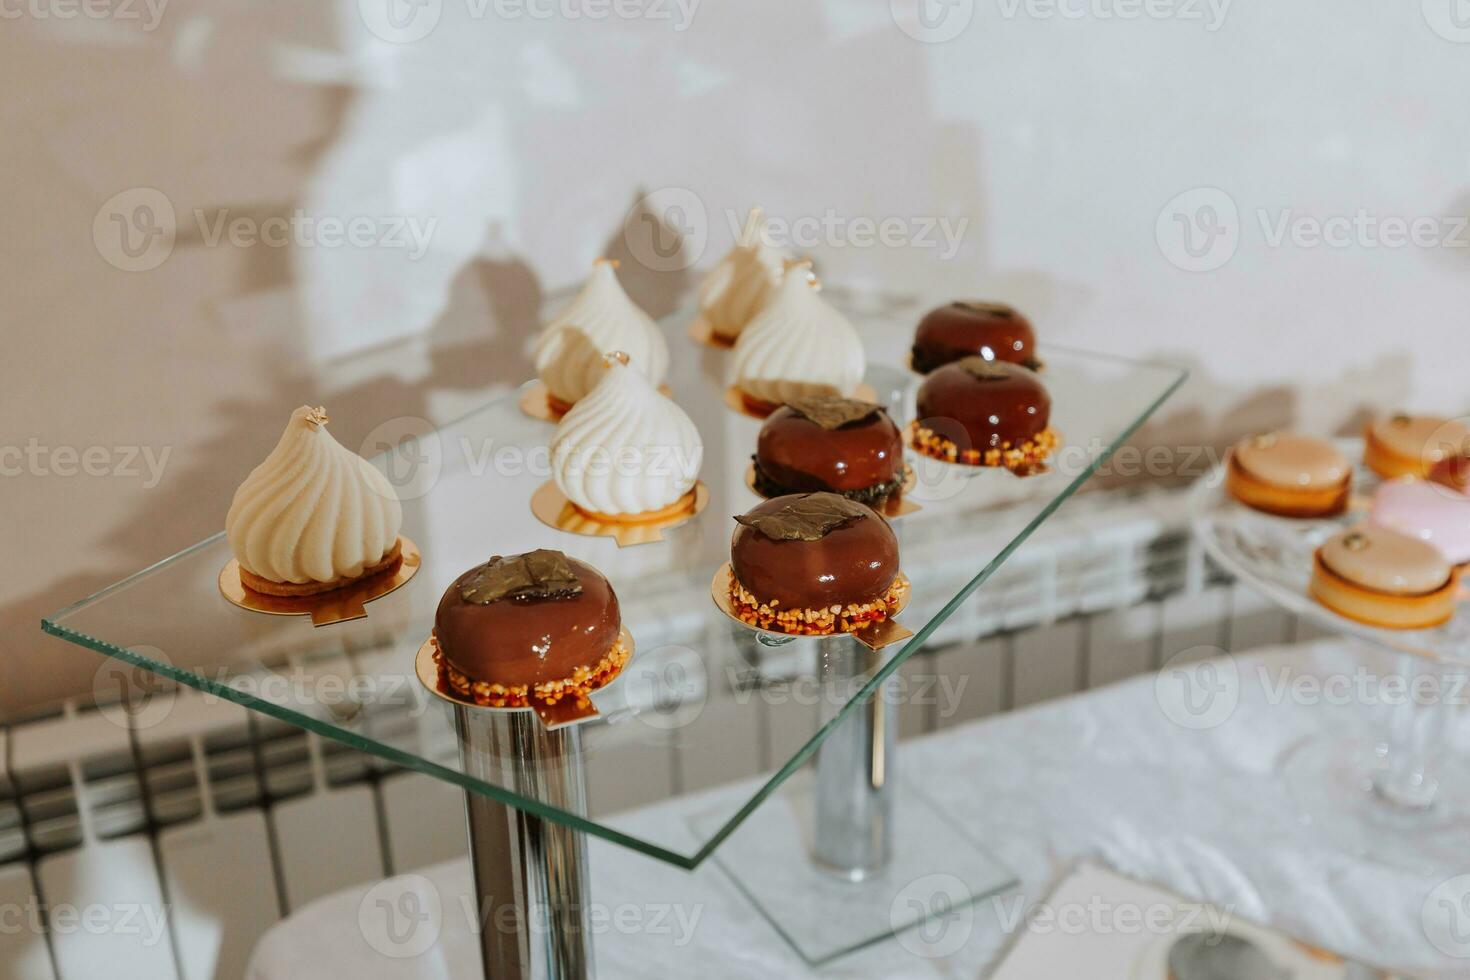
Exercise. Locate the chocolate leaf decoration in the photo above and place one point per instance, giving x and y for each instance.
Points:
(985, 370)
(833, 411)
(810, 517)
(540, 574)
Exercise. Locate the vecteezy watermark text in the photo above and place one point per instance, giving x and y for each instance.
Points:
(148, 922)
(406, 21)
(1200, 688)
(834, 230)
(1362, 229)
(146, 13)
(136, 230)
(942, 691)
(1202, 229)
(1098, 916)
(937, 21)
(124, 462)
(668, 230)
(402, 917)
(413, 456)
(935, 915)
(1209, 13)
(300, 229)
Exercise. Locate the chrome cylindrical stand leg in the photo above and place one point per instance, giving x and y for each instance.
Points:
(530, 873)
(854, 796)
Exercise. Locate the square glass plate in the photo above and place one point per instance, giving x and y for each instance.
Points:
(934, 871)
(468, 486)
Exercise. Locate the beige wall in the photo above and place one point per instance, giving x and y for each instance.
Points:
(526, 141)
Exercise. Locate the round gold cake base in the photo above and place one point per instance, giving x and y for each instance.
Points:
(896, 505)
(325, 608)
(536, 402)
(553, 509)
(874, 636)
(565, 712)
(702, 333)
(736, 401)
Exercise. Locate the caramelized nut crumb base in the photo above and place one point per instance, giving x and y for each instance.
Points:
(1024, 458)
(582, 683)
(812, 622)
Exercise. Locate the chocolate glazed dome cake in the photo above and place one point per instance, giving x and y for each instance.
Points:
(968, 328)
(985, 413)
(539, 626)
(813, 564)
(832, 444)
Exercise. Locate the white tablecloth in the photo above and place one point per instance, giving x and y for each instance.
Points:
(1109, 776)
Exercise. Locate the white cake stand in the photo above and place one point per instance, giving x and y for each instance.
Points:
(1413, 777)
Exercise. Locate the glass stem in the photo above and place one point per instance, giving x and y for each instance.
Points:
(1423, 724)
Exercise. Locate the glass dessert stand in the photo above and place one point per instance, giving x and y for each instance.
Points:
(1415, 778)
(532, 791)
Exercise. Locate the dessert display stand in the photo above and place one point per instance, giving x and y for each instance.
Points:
(837, 852)
(824, 851)
(1416, 776)
(853, 829)
(533, 901)
(530, 873)
(828, 861)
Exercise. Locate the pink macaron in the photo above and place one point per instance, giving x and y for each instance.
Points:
(1431, 512)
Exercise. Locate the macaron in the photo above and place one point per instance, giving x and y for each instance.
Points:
(1452, 472)
(1436, 514)
(1410, 445)
(1289, 475)
(1383, 578)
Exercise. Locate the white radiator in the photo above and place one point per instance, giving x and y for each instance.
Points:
(230, 820)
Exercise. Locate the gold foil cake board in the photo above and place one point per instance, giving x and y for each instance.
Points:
(701, 332)
(567, 711)
(896, 505)
(874, 636)
(536, 402)
(325, 608)
(737, 402)
(553, 509)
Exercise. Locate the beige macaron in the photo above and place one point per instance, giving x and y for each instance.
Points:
(1290, 475)
(1384, 578)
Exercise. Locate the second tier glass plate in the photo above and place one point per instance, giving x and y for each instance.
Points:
(1274, 556)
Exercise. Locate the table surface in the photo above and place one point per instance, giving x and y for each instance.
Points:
(1108, 776)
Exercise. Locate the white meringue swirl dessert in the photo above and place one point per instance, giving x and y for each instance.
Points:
(602, 318)
(626, 452)
(314, 515)
(743, 282)
(798, 346)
